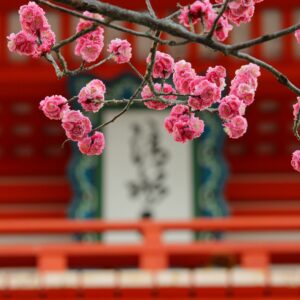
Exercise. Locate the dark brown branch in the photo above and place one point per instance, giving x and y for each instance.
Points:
(109, 24)
(172, 28)
(265, 38)
(163, 25)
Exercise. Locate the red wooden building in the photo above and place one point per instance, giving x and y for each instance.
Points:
(33, 161)
(33, 181)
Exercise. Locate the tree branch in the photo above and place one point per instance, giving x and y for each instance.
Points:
(74, 37)
(215, 24)
(166, 25)
(108, 24)
(265, 38)
(163, 25)
(150, 9)
(280, 76)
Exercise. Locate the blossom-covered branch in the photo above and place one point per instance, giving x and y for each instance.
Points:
(166, 25)
(164, 79)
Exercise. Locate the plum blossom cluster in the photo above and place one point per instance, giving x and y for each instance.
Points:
(242, 93)
(90, 45)
(240, 11)
(237, 12)
(156, 105)
(206, 90)
(36, 37)
(91, 97)
(169, 78)
(183, 125)
(77, 127)
(163, 66)
(203, 92)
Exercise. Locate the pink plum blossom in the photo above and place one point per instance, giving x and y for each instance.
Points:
(205, 93)
(91, 97)
(186, 130)
(183, 125)
(36, 36)
(179, 110)
(32, 18)
(76, 125)
(163, 65)
(85, 24)
(47, 40)
(169, 123)
(194, 12)
(93, 145)
(236, 127)
(121, 50)
(217, 76)
(230, 107)
(183, 75)
(147, 94)
(54, 107)
(90, 45)
(296, 108)
(222, 30)
(204, 10)
(295, 162)
(244, 84)
(240, 11)
(23, 43)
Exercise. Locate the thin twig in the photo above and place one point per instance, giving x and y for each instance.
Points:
(74, 98)
(63, 62)
(147, 76)
(215, 24)
(135, 70)
(53, 62)
(173, 15)
(280, 76)
(124, 110)
(74, 37)
(150, 8)
(101, 62)
(265, 38)
(296, 126)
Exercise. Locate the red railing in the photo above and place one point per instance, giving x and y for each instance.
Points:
(152, 252)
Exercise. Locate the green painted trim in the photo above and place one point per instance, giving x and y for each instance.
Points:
(196, 179)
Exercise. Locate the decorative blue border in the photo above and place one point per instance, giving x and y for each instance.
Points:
(209, 166)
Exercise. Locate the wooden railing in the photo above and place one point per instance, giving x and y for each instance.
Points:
(152, 252)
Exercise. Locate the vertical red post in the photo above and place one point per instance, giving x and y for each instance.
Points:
(153, 256)
(255, 260)
(51, 262)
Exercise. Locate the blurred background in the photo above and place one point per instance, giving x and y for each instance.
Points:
(143, 173)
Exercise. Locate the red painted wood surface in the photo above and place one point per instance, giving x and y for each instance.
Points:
(152, 253)
(85, 295)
